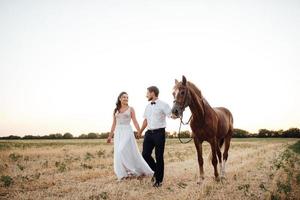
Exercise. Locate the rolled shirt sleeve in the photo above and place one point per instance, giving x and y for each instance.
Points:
(167, 110)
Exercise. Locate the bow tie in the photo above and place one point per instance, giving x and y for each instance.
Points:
(152, 103)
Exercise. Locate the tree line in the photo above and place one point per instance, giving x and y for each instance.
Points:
(265, 133)
(238, 133)
(58, 136)
(262, 133)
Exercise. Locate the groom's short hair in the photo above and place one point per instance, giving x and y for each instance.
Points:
(153, 89)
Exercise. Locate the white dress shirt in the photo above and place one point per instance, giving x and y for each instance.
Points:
(156, 114)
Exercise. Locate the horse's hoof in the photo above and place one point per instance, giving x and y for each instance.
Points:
(223, 179)
(222, 175)
(200, 180)
(218, 179)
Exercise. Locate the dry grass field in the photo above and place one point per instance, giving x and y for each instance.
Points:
(83, 169)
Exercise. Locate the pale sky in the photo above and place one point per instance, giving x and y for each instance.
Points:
(63, 63)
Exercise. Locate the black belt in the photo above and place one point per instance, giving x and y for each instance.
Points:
(155, 130)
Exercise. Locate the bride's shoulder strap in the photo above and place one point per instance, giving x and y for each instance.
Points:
(131, 109)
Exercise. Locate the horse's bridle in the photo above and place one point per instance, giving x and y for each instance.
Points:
(182, 108)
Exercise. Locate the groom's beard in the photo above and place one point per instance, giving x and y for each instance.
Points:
(150, 98)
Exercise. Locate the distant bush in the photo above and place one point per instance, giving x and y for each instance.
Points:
(103, 135)
(29, 137)
(82, 136)
(240, 133)
(67, 136)
(11, 137)
(92, 136)
(291, 133)
(56, 136)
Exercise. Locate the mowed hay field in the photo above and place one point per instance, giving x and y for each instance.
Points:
(83, 169)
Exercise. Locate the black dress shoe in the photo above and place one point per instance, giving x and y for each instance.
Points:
(157, 184)
(153, 179)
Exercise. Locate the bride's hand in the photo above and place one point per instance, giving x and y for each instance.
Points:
(108, 140)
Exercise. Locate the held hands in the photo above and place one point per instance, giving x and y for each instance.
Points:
(138, 135)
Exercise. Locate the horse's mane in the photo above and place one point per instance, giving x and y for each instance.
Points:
(200, 100)
(193, 89)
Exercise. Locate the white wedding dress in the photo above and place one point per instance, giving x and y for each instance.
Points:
(128, 160)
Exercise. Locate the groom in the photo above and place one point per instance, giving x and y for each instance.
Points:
(155, 120)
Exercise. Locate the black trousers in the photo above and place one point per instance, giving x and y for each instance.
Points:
(155, 139)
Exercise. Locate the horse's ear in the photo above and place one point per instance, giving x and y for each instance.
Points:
(183, 80)
(176, 81)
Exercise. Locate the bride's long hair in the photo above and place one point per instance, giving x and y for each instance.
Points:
(118, 103)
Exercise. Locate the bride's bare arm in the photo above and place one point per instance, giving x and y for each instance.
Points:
(112, 130)
(136, 124)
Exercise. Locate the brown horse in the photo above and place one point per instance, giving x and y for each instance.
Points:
(214, 125)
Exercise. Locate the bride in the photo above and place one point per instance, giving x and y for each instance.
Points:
(128, 160)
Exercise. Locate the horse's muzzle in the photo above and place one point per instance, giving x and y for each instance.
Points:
(175, 113)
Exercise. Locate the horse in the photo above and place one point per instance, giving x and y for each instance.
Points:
(214, 125)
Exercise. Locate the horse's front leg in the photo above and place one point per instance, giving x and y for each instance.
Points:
(198, 145)
(219, 154)
(213, 145)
